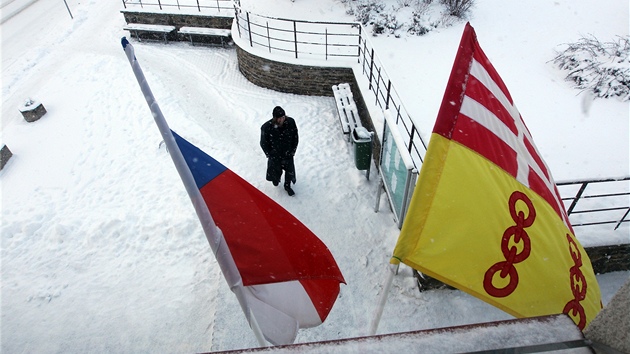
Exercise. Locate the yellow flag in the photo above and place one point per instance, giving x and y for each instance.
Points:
(486, 216)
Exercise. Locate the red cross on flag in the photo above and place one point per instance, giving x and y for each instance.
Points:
(486, 216)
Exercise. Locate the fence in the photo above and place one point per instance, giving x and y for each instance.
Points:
(597, 202)
(199, 5)
(387, 98)
(301, 39)
(333, 41)
(590, 202)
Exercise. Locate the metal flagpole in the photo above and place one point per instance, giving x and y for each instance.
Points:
(64, 1)
(213, 233)
(391, 271)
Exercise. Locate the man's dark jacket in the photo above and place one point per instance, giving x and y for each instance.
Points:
(279, 143)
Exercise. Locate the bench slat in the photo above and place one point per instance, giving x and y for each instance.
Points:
(149, 28)
(205, 31)
(346, 108)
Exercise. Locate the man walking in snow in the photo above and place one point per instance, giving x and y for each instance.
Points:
(279, 141)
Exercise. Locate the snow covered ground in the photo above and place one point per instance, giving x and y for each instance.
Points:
(101, 249)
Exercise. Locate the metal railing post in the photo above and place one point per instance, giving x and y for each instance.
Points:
(249, 30)
(622, 219)
(576, 198)
(238, 23)
(359, 46)
(295, 38)
(326, 43)
(364, 55)
(377, 90)
(268, 37)
(389, 90)
(371, 69)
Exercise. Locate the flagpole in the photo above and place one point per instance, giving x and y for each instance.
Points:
(392, 269)
(213, 233)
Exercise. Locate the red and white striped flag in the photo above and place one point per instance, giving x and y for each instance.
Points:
(486, 216)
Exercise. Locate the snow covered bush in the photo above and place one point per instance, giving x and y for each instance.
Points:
(372, 13)
(458, 8)
(366, 11)
(385, 23)
(417, 17)
(418, 25)
(601, 68)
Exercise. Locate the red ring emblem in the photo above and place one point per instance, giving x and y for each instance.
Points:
(515, 234)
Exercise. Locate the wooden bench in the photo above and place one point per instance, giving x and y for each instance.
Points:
(346, 108)
(222, 34)
(137, 28)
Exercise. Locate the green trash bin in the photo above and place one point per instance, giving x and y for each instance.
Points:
(362, 140)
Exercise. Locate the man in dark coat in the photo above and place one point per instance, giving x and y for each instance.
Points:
(279, 140)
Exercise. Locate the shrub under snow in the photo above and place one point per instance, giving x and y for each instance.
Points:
(601, 68)
(416, 17)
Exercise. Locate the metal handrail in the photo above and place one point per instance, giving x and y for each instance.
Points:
(611, 193)
(346, 41)
(386, 97)
(300, 38)
(182, 4)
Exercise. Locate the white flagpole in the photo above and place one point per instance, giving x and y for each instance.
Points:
(213, 233)
(391, 271)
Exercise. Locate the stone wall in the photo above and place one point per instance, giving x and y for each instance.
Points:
(606, 259)
(291, 78)
(177, 20)
(304, 80)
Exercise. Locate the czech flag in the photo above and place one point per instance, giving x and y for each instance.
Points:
(292, 279)
(486, 216)
(283, 276)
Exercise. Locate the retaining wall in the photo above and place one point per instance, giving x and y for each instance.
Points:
(304, 80)
(606, 259)
(177, 20)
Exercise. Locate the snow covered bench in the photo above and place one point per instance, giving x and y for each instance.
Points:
(137, 28)
(213, 33)
(346, 108)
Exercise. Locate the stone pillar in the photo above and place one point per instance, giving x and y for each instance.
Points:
(32, 110)
(610, 329)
